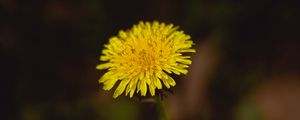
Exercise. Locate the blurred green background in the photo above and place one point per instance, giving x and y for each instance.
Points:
(246, 66)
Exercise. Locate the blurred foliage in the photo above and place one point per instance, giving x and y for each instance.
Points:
(49, 50)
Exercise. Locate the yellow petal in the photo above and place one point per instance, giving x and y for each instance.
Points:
(106, 76)
(131, 85)
(103, 66)
(121, 88)
(166, 83)
(147, 78)
(132, 90)
(122, 34)
(171, 81)
(143, 87)
(157, 83)
(152, 90)
(187, 50)
(109, 84)
(184, 61)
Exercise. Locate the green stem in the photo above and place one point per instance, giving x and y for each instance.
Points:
(162, 109)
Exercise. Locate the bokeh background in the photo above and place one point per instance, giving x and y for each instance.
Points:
(246, 66)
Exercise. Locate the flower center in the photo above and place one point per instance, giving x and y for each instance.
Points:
(146, 59)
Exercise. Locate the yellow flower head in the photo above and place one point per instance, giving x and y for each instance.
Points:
(140, 57)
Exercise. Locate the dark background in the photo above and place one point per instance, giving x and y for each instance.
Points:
(49, 50)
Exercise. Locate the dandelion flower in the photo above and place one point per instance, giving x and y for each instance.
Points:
(142, 58)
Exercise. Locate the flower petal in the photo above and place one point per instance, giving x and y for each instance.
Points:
(121, 88)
